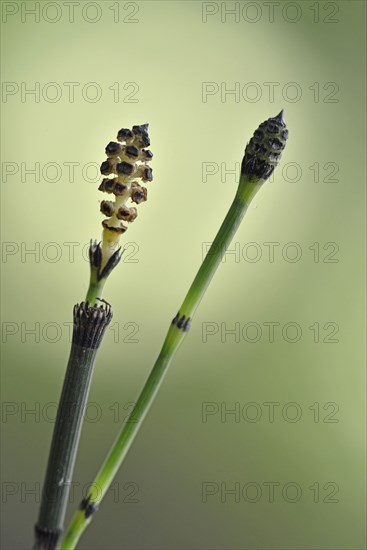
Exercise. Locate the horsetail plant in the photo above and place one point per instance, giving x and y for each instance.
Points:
(262, 155)
(127, 162)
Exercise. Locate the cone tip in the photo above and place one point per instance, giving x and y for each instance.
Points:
(280, 116)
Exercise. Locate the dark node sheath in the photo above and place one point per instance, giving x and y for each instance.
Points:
(88, 507)
(46, 539)
(182, 322)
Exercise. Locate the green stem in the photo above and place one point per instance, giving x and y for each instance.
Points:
(89, 326)
(90, 323)
(96, 283)
(94, 291)
(246, 191)
(176, 333)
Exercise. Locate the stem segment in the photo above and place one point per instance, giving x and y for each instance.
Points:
(179, 327)
(90, 324)
(94, 291)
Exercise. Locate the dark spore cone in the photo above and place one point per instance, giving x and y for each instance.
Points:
(264, 150)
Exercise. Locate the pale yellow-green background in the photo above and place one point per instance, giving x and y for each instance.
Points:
(169, 53)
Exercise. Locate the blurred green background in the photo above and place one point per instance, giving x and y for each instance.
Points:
(173, 64)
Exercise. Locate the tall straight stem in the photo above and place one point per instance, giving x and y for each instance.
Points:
(89, 326)
(176, 333)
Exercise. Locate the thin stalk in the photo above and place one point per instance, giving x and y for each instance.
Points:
(175, 335)
(89, 326)
(262, 155)
(95, 288)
